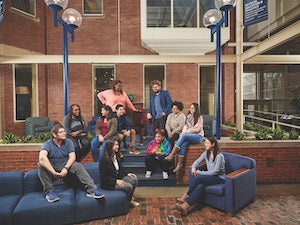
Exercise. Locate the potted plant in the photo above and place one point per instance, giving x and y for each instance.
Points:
(131, 97)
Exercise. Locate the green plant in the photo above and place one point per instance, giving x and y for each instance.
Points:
(131, 96)
(28, 139)
(230, 124)
(277, 133)
(237, 135)
(10, 138)
(90, 136)
(293, 135)
(262, 135)
(42, 137)
(248, 126)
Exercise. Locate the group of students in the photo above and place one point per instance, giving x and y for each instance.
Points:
(173, 132)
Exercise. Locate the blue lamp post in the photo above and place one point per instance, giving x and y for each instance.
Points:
(214, 19)
(70, 20)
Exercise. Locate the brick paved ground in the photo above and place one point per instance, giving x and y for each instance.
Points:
(281, 209)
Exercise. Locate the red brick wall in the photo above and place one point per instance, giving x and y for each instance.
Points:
(285, 168)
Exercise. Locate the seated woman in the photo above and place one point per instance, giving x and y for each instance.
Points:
(77, 131)
(175, 122)
(113, 175)
(192, 133)
(157, 150)
(106, 128)
(199, 179)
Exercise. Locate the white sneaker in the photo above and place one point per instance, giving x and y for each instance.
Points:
(148, 174)
(165, 175)
(134, 204)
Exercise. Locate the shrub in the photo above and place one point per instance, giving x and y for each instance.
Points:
(230, 124)
(237, 135)
(262, 135)
(277, 133)
(10, 138)
(42, 137)
(293, 135)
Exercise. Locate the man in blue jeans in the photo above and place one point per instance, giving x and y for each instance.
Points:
(57, 161)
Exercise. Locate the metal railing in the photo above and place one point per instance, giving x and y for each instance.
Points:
(265, 118)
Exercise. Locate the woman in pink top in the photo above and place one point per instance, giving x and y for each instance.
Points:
(113, 97)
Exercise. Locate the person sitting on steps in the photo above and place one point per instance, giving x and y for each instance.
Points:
(157, 150)
(192, 133)
(124, 128)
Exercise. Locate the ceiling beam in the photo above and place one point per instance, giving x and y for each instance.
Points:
(281, 37)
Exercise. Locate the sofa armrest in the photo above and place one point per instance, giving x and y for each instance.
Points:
(236, 173)
(240, 189)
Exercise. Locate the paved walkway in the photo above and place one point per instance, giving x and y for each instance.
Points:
(274, 204)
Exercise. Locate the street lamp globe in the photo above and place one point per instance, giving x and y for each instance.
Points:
(211, 18)
(57, 4)
(225, 5)
(72, 17)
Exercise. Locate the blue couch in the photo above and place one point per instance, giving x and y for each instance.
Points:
(22, 201)
(239, 188)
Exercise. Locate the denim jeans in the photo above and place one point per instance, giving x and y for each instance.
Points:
(95, 144)
(187, 139)
(197, 186)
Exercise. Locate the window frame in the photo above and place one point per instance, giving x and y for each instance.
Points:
(92, 14)
(24, 12)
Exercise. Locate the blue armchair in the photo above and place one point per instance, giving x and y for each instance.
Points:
(36, 125)
(239, 188)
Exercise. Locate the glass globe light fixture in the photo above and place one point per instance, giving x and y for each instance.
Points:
(72, 17)
(212, 17)
(57, 4)
(225, 5)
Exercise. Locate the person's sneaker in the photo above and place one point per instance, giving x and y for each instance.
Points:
(134, 151)
(165, 175)
(95, 194)
(134, 203)
(51, 196)
(148, 174)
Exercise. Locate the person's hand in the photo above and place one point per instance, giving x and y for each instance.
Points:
(63, 172)
(121, 183)
(163, 114)
(127, 133)
(83, 134)
(101, 138)
(131, 175)
(74, 134)
(57, 175)
(170, 135)
(193, 171)
(149, 116)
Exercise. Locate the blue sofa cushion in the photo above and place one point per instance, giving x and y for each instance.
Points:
(217, 189)
(34, 209)
(42, 129)
(7, 205)
(93, 170)
(114, 203)
(11, 183)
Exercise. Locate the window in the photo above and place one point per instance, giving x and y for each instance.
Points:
(26, 6)
(184, 13)
(152, 72)
(25, 91)
(103, 75)
(93, 7)
(207, 89)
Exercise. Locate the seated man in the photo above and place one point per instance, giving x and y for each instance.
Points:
(124, 128)
(57, 160)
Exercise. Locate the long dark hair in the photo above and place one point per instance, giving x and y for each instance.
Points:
(109, 154)
(114, 83)
(197, 113)
(69, 121)
(110, 114)
(216, 150)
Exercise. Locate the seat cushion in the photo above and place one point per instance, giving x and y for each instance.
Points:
(216, 189)
(114, 203)
(34, 209)
(7, 205)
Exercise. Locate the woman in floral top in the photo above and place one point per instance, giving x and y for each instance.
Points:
(157, 150)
